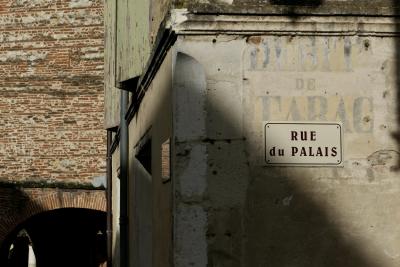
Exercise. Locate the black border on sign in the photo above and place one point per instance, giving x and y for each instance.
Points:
(303, 164)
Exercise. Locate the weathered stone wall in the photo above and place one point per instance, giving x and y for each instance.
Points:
(242, 212)
(51, 87)
(292, 7)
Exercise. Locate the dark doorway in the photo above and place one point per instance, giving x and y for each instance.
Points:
(64, 237)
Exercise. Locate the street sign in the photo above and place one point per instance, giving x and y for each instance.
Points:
(303, 144)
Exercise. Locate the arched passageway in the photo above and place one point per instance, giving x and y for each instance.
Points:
(62, 237)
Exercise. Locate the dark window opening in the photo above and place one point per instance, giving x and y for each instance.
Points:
(144, 154)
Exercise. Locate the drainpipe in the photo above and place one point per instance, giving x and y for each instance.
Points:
(109, 198)
(124, 175)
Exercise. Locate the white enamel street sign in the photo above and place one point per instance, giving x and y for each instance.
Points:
(303, 144)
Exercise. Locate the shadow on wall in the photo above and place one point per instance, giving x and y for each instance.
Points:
(13, 201)
(311, 3)
(292, 4)
(115, 251)
(273, 216)
(396, 134)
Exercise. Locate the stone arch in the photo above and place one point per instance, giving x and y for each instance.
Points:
(34, 201)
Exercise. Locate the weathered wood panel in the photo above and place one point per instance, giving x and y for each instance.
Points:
(111, 105)
(131, 28)
(133, 44)
(158, 11)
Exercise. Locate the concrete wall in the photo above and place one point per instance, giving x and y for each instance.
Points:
(232, 210)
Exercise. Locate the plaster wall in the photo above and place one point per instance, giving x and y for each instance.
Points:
(150, 194)
(232, 210)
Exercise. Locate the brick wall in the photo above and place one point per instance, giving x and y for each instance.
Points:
(19, 204)
(51, 90)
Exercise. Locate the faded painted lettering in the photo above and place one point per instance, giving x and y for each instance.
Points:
(309, 84)
(355, 113)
